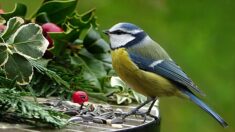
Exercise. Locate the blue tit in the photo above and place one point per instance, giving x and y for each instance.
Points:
(147, 68)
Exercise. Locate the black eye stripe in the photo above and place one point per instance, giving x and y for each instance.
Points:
(118, 32)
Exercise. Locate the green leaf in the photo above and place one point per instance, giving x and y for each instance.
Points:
(42, 18)
(104, 57)
(3, 54)
(117, 82)
(22, 42)
(94, 43)
(12, 25)
(87, 73)
(2, 20)
(19, 67)
(4, 82)
(19, 10)
(130, 94)
(139, 97)
(83, 21)
(29, 41)
(61, 40)
(58, 10)
(120, 99)
(89, 17)
(95, 66)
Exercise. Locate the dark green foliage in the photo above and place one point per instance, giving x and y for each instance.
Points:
(20, 10)
(21, 43)
(57, 10)
(80, 60)
(94, 43)
(13, 105)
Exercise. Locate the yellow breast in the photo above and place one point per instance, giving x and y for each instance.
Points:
(147, 83)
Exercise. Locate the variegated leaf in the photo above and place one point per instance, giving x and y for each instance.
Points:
(3, 54)
(20, 68)
(29, 41)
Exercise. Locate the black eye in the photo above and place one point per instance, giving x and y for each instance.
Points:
(118, 32)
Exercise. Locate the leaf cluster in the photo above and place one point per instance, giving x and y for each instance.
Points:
(80, 61)
(123, 94)
(14, 106)
(18, 44)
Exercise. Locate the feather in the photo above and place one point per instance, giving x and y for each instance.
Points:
(206, 108)
(165, 68)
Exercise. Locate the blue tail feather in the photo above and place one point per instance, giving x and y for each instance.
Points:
(205, 107)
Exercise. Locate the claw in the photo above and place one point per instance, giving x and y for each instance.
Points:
(143, 114)
(153, 116)
(137, 112)
(134, 112)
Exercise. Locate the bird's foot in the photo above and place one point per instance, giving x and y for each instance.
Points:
(143, 114)
(133, 112)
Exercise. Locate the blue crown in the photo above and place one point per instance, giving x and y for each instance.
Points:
(129, 26)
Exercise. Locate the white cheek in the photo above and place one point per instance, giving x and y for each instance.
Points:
(120, 40)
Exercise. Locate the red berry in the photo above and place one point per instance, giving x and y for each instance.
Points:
(48, 55)
(50, 27)
(51, 43)
(2, 27)
(2, 11)
(79, 97)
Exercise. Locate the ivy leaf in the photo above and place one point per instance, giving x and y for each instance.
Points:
(20, 68)
(19, 10)
(29, 41)
(12, 25)
(3, 54)
(58, 10)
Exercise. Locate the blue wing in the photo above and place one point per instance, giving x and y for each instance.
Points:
(165, 68)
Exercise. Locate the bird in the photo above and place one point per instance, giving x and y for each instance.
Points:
(148, 69)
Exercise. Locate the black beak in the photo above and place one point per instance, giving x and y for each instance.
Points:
(106, 32)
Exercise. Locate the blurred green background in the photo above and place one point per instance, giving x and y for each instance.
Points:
(200, 37)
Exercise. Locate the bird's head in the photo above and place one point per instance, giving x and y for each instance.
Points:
(125, 35)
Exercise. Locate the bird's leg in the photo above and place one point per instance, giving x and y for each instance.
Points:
(150, 108)
(143, 114)
(135, 111)
(148, 112)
